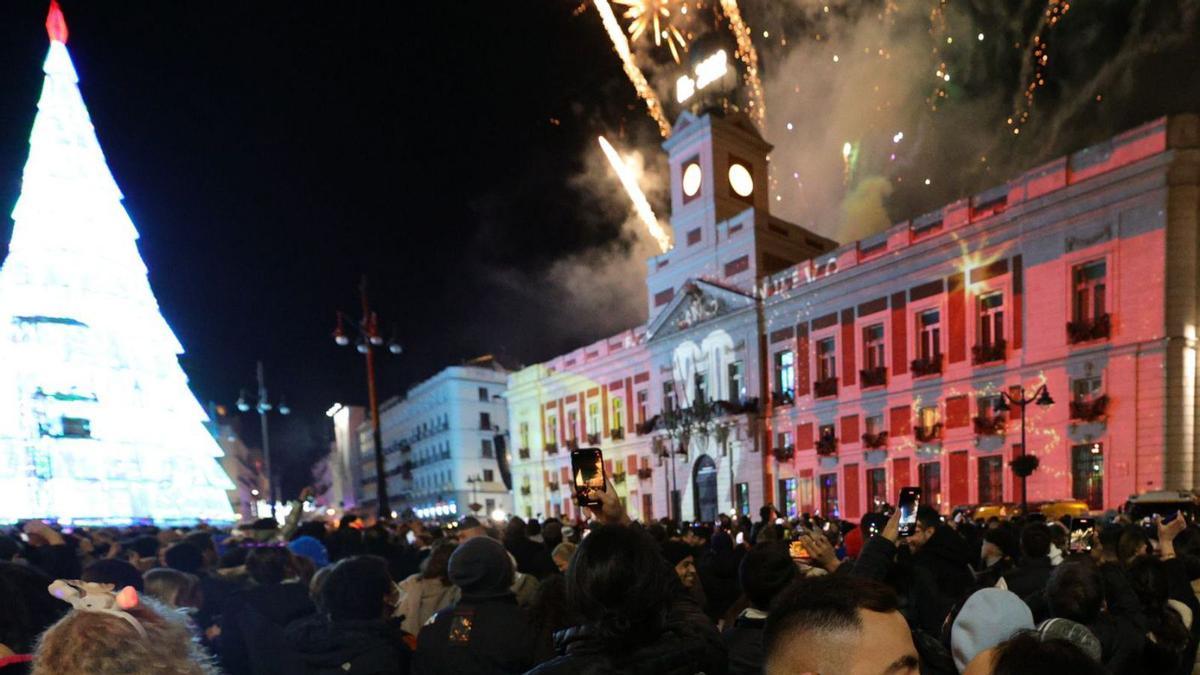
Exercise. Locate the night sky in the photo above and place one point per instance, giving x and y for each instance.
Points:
(270, 153)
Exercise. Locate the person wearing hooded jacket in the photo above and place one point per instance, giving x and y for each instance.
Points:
(485, 631)
(936, 547)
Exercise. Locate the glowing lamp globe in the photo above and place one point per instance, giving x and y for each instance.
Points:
(741, 180)
(692, 177)
(395, 347)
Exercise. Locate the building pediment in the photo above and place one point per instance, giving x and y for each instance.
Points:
(697, 302)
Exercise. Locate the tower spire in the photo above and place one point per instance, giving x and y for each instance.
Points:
(56, 25)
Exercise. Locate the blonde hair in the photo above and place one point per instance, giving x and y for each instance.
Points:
(95, 642)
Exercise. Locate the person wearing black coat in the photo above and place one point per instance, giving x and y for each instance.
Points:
(636, 616)
(764, 572)
(485, 631)
(1034, 568)
(532, 558)
(937, 548)
(355, 634)
(252, 624)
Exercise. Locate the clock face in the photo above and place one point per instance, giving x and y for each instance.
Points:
(740, 180)
(691, 179)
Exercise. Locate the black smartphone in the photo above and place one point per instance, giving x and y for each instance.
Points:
(910, 498)
(1081, 534)
(587, 466)
(873, 524)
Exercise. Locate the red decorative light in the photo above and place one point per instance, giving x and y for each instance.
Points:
(56, 25)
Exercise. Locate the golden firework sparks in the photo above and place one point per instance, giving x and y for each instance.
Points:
(640, 204)
(656, 16)
(749, 57)
(632, 71)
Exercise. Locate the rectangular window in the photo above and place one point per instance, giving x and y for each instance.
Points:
(488, 475)
(873, 424)
(642, 397)
(1085, 389)
(490, 505)
(701, 391)
(743, 499)
(929, 478)
(927, 416)
(785, 372)
(929, 346)
(523, 434)
(1090, 290)
(787, 497)
(618, 414)
(991, 319)
(668, 395)
(572, 426)
(551, 430)
(485, 421)
(486, 447)
(829, 495)
(647, 508)
(991, 480)
(1087, 474)
(483, 394)
(826, 359)
(783, 439)
(873, 346)
(876, 487)
(735, 384)
(805, 492)
(76, 427)
(693, 236)
(663, 297)
(594, 417)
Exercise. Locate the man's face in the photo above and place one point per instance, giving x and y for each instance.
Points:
(883, 646)
(919, 537)
(686, 571)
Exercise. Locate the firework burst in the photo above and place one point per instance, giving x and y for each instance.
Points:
(632, 71)
(659, 17)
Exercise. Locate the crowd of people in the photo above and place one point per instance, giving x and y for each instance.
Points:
(774, 596)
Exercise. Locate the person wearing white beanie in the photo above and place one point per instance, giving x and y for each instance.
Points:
(990, 616)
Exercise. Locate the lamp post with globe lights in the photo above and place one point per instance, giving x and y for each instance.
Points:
(368, 338)
(1021, 466)
(262, 405)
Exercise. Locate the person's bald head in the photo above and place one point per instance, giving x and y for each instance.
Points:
(837, 624)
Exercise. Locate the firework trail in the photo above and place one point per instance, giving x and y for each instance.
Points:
(640, 204)
(635, 75)
(749, 57)
(1033, 71)
(656, 17)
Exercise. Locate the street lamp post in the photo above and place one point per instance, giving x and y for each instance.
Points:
(1040, 397)
(262, 405)
(474, 482)
(369, 338)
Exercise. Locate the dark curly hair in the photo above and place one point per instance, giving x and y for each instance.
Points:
(621, 587)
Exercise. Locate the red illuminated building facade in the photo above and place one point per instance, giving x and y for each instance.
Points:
(777, 367)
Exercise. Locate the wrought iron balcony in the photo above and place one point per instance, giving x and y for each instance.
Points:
(827, 445)
(1099, 328)
(617, 433)
(784, 453)
(644, 473)
(523, 453)
(550, 448)
(593, 438)
(927, 366)
(552, 486)
(875, 441)
(783, 397)
(989, 352)
(989, 425)
(928, 434)
(873, 377)
(825, 387)
(1090, 411)
(526, 490)
(618, 477)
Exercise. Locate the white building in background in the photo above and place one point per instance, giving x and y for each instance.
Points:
(345, 457)
(440, 441)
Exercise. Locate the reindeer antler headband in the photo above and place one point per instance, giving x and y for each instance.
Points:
(87, 596)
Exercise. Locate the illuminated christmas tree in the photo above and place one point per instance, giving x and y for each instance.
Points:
(97, 423)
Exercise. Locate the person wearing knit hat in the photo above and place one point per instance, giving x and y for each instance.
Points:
(485, 631)
(310, 548)
(1075, 633)
(990, 616)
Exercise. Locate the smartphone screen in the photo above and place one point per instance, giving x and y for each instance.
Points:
(798, 551)
(909, 498)
(1081, 534)
(587, 465)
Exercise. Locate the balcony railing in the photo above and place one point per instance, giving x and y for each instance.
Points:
(928, 434)
(827, 445)
(1099, 328)
(875, 441)
(572, 444)
(989, 352)
(523, 453)
(1090, 411)
(783, 397)
(646, 426)
(927, 366)
(825, 387)
(784, 453)
(550, 448)
(989, 425)
(593, 438)
(617, 433)
(644, 473)
(552, 486)
(873, 377)
(618, 477)
(526, 490)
